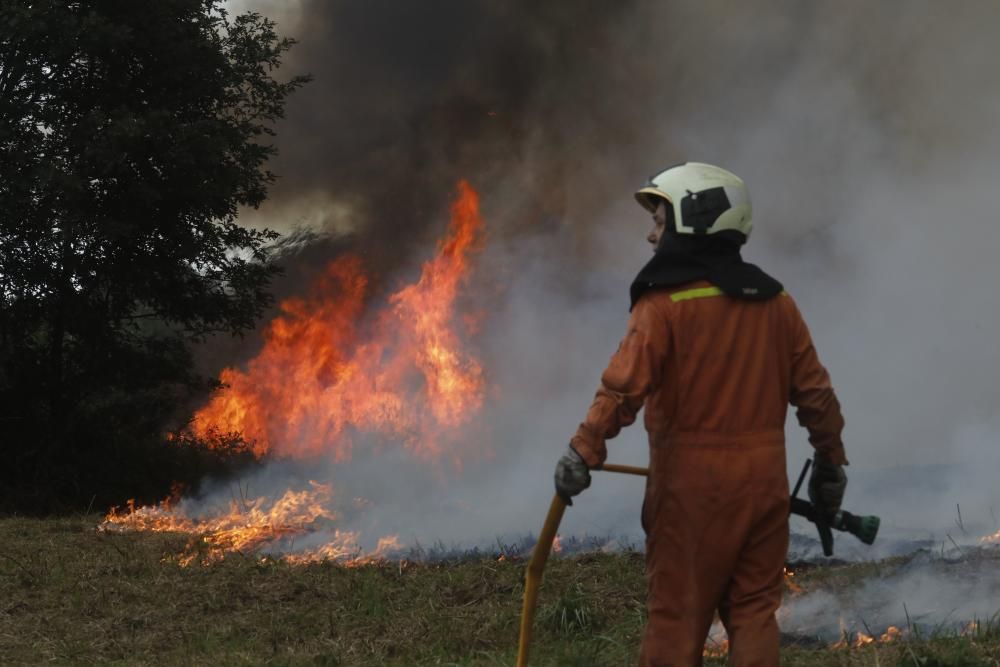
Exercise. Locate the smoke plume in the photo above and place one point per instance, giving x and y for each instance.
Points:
(863, 131)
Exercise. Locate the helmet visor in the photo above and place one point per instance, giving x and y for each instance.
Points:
(650, 197)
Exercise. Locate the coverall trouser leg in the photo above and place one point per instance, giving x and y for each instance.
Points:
(717, 536)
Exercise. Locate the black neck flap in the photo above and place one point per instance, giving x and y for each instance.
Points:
(684, 259)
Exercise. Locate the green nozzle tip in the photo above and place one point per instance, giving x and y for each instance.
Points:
(867, 528)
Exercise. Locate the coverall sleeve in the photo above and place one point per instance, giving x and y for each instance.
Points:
(634, 371)
(818, 409)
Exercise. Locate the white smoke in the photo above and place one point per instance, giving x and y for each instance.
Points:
(929, 594)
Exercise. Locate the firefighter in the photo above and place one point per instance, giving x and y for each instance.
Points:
(715, 350)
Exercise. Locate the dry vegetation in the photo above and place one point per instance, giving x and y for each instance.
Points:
(72, 595)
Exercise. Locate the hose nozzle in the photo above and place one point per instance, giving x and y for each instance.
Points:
(865, 528)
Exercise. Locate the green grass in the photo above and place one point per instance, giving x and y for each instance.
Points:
(72, 595)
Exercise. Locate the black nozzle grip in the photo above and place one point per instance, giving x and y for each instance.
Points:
(806, 509)
(825, 536)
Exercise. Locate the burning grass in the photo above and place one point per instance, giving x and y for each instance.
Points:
(339, 369)
(72, 594)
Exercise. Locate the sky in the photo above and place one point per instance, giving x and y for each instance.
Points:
(864, 132)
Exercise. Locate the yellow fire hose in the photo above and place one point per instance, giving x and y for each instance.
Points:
(539, 556)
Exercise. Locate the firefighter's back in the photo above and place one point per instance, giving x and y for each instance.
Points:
(727, 376)
(716, 510)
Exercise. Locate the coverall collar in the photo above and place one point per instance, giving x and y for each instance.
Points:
(684, 259)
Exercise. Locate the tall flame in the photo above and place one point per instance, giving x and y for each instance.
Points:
(331, 369)
(321, 375)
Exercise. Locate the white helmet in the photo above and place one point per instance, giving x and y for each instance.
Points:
(705, 199)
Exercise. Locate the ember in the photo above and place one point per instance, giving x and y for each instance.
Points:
(717, 642)
(891, 634)
(716, 649)
(793, 587)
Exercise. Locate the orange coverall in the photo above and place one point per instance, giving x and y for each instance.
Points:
(715, 375)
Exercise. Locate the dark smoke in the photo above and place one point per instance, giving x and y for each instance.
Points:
(409, 97)
(864, 131)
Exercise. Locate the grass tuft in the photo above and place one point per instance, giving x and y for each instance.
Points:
(572, 614)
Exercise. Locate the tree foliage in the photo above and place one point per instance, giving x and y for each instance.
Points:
(130, 133)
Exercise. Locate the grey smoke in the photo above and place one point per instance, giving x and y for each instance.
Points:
(930, 593)
(864, 131)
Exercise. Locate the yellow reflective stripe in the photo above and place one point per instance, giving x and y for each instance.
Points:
(703, 292)
(697, 293)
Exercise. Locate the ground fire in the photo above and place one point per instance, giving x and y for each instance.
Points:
(891, 634)
(336, 374)
(332, 372)
(790, 584)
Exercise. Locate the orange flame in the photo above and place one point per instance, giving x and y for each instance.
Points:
(324, 374)
(862, 640)
(717, 642)
(717, 649)
(971, 629)
(320, 376)
(891, 634)
(793, 587)
(246, 525)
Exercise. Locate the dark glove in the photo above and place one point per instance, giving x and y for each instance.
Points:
(826, 487)
(572, 475)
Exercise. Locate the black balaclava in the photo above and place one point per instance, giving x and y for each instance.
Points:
(685, 258)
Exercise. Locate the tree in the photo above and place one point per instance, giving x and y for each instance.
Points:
(130, 133)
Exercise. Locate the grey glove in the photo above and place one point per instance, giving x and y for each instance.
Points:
(826, 487)
(572, 475)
